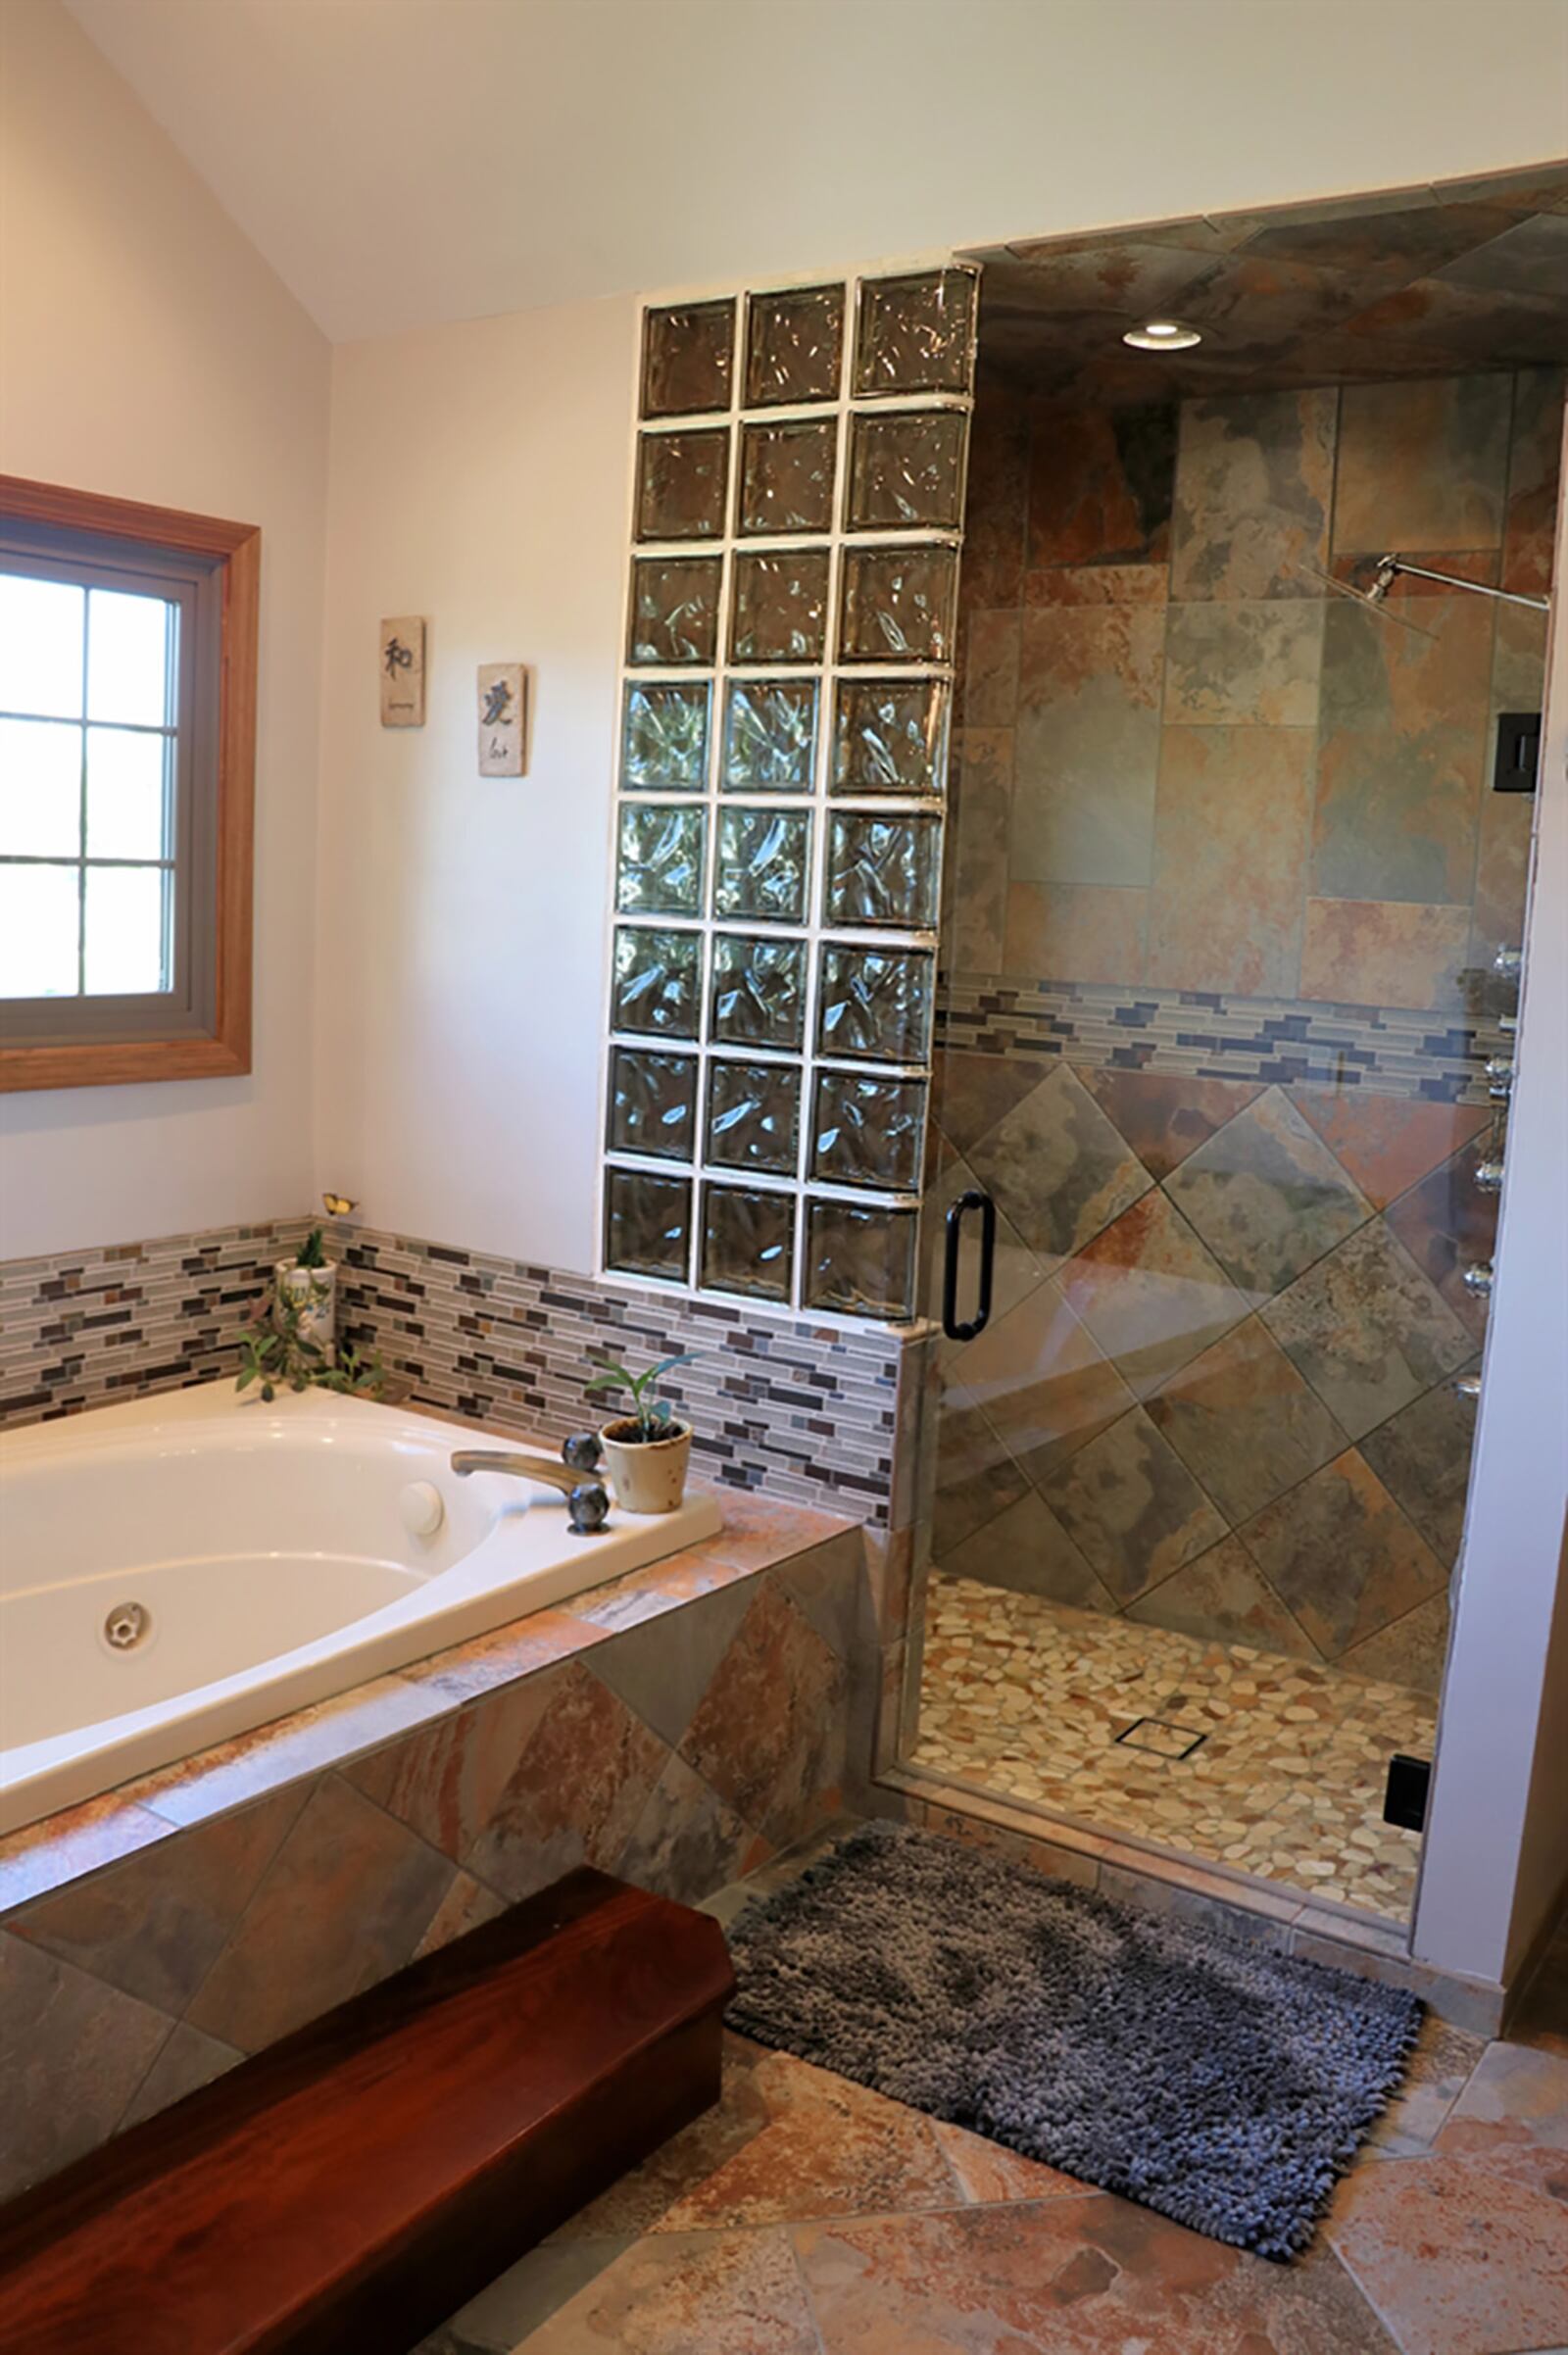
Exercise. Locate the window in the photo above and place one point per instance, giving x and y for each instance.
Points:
(127, 672)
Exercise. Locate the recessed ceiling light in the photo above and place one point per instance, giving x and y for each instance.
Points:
(1163, 336)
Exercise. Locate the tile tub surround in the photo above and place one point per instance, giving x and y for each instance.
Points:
(1217, 1391)
(677, 1727)
(1095, 1719)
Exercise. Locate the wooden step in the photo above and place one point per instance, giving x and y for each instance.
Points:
(348, 2189)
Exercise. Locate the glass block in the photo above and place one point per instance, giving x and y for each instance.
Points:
(674, 609)
(763, 860)
(868, 1132)
(688, 359)
(787, 477)
(891, 736)
(906, 470)
(916, 334)
(794, 346)
(876, 1004)
(780, 609)
(647, 1224)
(753, 1116)
(664, 738)
(898, 605)
(759, 991)
(682, 481)
(653, 1103)
(769, 736)
(660, 871)
(883, 870)
(658, 982)
(859, 1260)
(748, 1242)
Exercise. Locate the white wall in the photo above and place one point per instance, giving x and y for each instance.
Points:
(479, 476)
(1497, 1852)
(148, 352)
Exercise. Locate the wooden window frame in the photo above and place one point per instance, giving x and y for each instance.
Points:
(210, 1038)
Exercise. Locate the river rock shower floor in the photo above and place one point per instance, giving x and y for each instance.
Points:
(1036, 1703)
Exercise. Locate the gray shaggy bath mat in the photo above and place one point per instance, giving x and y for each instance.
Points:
(1207, 2077)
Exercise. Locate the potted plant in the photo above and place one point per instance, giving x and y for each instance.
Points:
(647, 1453)
(276, 1352)
(308, 1282)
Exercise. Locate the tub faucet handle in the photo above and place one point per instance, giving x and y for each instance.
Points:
(587, 1506)
(582, 1451)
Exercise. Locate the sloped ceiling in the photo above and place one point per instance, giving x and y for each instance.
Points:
(401, 163)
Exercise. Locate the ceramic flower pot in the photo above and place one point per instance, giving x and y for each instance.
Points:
(648, 1476)
(313, 1291)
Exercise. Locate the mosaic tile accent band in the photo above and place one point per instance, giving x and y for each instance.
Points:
(86, 1328)
(780, 1406)
(1379, 1050)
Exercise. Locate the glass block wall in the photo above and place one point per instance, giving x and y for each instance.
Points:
(781, 771)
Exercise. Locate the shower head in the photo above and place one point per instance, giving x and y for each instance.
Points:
(1373, 596)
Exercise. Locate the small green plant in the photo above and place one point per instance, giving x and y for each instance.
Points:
(277, 1352)
(311, 1252)
(652, 1414)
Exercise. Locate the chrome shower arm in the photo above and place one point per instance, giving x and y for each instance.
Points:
(1389, 567)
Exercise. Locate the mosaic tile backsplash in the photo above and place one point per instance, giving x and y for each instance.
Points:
(779, 1405)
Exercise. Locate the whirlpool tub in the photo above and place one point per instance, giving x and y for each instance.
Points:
(177, 1570)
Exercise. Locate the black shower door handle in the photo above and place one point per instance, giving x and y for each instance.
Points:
(973, 1199)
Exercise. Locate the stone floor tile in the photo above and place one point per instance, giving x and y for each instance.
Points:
(1440, 2069)
(1516, 2096)
(1092, 2276)
(786, 2140)
(705, 2294)
(1459, 2255)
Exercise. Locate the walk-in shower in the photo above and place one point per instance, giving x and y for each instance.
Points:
(1230, 958)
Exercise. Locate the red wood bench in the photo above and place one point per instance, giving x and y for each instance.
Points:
(345, 2190)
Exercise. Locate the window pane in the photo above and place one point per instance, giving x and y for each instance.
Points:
(125, 799)
(128, 671)
(38, 915)
(40, 789)
(124, 930)
(40, 645)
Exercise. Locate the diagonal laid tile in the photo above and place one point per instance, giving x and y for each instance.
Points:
(663, 1668)
(1367, 1329)
(1165, 1116)
(1341, 1556)
(344, 1902)
(687, 1841)
(1026, 1549)
(188, 2061)
(1042, 1381)
(1244, 1421)
(971, 1092)
(1517, 2097)
(1412, 1651)
(155, 1925)
(1267, 1195)
(1224, 1595)
(976, 1477)
(1058, 1168)
(1446, 1223)
(1439, 2068)
(1016, 1270)
(445, 1781)
(1422, 1456)
(1150, 1294)
(1131, 1506)
(576, 1788)
(768, 1734)
(1092, 2276)
(72, 2055)
(1385, 1144)
(988, 2172)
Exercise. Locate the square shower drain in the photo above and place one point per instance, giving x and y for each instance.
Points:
(1165, 1740)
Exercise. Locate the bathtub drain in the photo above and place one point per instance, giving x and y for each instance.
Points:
(127, 1626)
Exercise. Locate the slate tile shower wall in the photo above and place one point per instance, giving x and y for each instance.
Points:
(1229, 877)
(782, 771)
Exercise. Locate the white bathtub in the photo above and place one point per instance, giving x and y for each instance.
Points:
(270, 1551)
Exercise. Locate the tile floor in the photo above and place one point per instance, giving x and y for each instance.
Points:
(1028, 1699)
(804, 2216)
